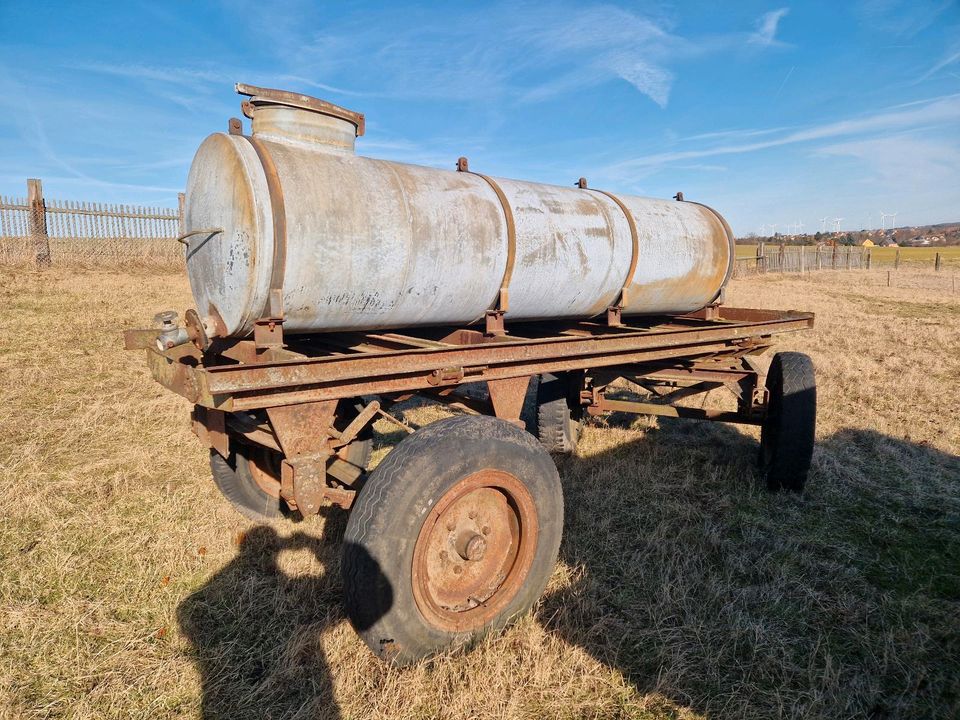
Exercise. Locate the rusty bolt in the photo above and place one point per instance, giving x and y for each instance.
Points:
(457, 569)
(451, 525)
(443, 555)
(473, 514)
(485, 530)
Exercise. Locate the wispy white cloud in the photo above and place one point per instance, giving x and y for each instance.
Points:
(491, 55)
(174, 75)
(950, 57)
(652, 80)
(502, 52)
(734, 134)
(902, 18)
(936, 111)
(902, 161)
(767, 25)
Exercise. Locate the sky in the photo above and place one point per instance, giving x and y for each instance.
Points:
(771, 112)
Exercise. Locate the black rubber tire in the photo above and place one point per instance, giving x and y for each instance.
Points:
(232, 477)
(787, 434)
(389, 513)
(558, 413)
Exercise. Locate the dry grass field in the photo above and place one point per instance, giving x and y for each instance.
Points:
(131, 589)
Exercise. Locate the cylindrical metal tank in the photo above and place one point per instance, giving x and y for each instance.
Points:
(289, 222)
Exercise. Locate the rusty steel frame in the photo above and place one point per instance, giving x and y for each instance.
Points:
(298, 386)
(208, 379)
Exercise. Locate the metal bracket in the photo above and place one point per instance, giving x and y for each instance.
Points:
(615, 316)
(446, 376)
(507, 397)
(268, 333)
(211, 427)
(307, 475)
(495, 324)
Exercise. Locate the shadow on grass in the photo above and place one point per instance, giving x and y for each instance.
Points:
(255, 631)
(737, 603)
(686, 578)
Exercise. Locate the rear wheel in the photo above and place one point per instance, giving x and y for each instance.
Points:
(559, 414)
(454, 534)
(787, 434)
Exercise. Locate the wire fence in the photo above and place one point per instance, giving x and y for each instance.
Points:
(49, 232)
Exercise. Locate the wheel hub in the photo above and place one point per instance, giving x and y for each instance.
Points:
(474, 550)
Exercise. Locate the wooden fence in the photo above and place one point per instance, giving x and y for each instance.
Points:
(45, 232)
(801, 259)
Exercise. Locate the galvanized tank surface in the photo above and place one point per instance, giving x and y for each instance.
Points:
(353, 243)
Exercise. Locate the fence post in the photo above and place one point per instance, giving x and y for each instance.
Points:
(782, 257)
(819, 257)
(761, 260)
(869, 255)
(848, 257)
(896, 260)
(801, 259)
(181, 202)
(936, 263)
(38, 222)
(833, 260)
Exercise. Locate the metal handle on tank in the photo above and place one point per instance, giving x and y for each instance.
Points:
(202, 231)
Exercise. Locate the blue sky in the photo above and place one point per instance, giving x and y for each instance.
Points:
(771, 112)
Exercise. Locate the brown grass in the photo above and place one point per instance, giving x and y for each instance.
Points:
(682, 591)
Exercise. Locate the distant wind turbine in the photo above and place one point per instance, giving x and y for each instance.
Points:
(836, 224)
(823, 224)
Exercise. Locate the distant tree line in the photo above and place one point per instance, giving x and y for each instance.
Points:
(928, 235)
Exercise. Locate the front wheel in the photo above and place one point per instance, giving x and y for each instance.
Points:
(249, 478)
(455, 533)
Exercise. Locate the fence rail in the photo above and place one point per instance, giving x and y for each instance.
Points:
(53, 232)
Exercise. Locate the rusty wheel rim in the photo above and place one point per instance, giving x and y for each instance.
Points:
(265, 471)
(474, 551)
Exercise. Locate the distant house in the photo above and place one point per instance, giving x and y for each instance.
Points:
(867, 243)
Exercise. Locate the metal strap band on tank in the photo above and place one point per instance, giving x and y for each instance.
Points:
(634, 237)
(731, 243)
(503, 301)
(273, 309)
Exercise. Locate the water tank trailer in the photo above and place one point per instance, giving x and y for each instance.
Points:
(331, 288)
